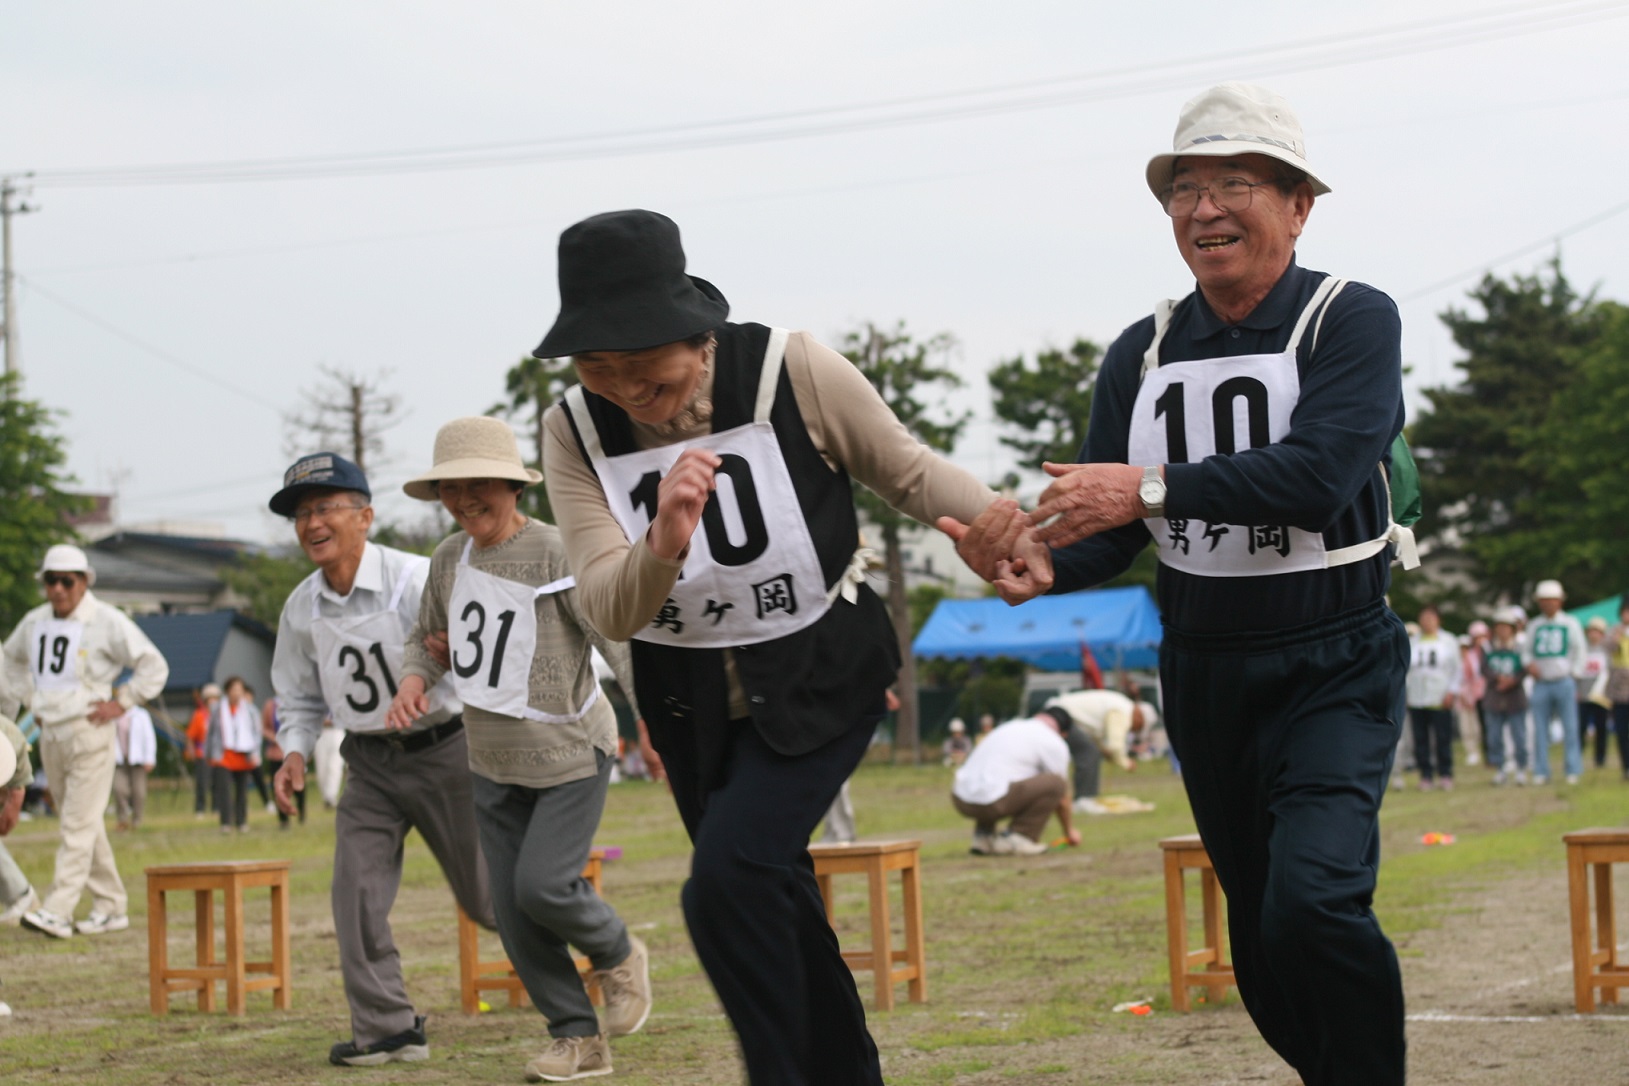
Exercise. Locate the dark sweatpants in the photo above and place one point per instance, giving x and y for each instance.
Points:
(1286, 743)
(754, 909)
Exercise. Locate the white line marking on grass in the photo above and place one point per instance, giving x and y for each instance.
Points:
(1495, 1019)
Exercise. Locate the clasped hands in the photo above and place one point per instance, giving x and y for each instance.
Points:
(1012, 549)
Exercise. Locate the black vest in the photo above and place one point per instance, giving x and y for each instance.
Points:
(808, 687)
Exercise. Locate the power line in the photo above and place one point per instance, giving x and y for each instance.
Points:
(1324, 51)
(156, 352)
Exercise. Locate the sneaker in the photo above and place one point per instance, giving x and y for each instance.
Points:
(1473, 758)
(1016, 844)
(1425, 784)
(1572, 778)
(626, 989)
(409, 1044)
(1086, 805)
(1521, 778)
(983, 844)
(98, 923)
(570, 1058)
(1499, 778)
(5, 1009)
(47, 923)
(1540, 782)
(1446, 784)
(27, 903)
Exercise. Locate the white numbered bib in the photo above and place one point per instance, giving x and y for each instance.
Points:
(492, 637)
(54, 654)
(1426, 657)
(752, 574)
(360, 661)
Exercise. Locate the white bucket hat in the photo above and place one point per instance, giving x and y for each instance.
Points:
(478, 447)
(1549, 590)
(66, 558)
(1236, 119)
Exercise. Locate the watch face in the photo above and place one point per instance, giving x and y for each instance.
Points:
(1151, 493)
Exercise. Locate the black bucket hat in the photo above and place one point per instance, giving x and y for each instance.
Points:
(623, 287)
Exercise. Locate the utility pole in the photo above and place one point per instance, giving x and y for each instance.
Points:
(8, 276)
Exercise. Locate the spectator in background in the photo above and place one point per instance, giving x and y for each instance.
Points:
(233, 749)
(135, 757)
(1504, 700)
(1553, 653)
(1468, 702)
(1591, 675)
(956, 746)
(1107, 723)
(1433, 680)
(1617, 682)
(272, 751)
(203, 774)
(986, 726)
(64, 656)
(1017, 774)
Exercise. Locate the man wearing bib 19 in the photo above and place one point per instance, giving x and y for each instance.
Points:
(339, 652)
(500, 618)
(1246, 430)
(701, 477)
(63, 659)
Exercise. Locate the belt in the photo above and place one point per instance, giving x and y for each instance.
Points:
(409, 741)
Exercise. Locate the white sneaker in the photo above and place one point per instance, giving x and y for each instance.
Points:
(983, 844)
(1521, 777)
(48, 923)
(1016, 844)
(1540, 782)
(101, 923)
(5, 1009)
(1572, 778)
(1473, 758)
(1088, 806)
(1499, 778)
(29, 901)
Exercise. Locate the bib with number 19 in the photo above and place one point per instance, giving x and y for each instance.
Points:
(752, 574)
(53, 657)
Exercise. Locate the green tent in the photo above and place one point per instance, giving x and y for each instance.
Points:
(1607, 609)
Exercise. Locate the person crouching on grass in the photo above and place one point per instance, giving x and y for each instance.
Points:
(501, 611)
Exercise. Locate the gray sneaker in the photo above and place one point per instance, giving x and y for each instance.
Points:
(626, 989)
(570, 1058)
(27, 903)
(1016, 844)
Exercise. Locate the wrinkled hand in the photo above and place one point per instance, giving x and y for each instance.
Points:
(101, 712)
(408, 705)
(436, 645)
(680, 498)
(289, 780)
(1086, 499)
(990, 540)
(1028, 574)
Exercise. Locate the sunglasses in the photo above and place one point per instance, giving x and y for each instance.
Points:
(60, 580)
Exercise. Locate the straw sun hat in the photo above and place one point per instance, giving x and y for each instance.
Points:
(473, 448)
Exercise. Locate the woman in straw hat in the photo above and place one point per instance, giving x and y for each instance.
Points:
(701, 477)
(500, 611)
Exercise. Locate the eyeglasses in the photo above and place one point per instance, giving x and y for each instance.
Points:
(59, 580)
(323, 510)
(1227, 193)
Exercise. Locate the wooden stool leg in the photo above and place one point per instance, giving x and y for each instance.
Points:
(1578, 906)
(1212, 900)
(882, 938)
(1176, 930)
(204, 936)
(282, 963)
(158, 950)
(237, 1001)
(826, 897)
(916, 951)
(1606, 928)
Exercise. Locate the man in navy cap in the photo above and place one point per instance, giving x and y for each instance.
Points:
(339, 654)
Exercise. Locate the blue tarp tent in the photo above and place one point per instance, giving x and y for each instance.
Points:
(1120, 625)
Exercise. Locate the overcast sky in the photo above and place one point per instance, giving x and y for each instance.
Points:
(971, 168)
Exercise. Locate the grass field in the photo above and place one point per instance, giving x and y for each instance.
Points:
(1026, 956)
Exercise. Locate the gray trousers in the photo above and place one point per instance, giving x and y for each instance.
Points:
(537, 842)
(390, 793)
(13, 883)
(1088, 763)
(840, 818)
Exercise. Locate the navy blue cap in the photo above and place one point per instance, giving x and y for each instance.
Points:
(319, 471)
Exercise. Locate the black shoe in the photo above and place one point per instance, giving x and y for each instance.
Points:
(407, 1045)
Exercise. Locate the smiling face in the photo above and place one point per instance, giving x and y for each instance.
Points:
(485, 508)
(651, 385)
(333, 526)
(64, 589)
(1237, 256)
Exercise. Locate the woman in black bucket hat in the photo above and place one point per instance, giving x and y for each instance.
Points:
(700, 474)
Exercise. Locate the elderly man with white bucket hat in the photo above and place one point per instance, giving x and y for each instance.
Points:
(1244, 430)
(340, 646)
(63, 659)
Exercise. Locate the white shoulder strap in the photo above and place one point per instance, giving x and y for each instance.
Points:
(1318, 303)
(770, 375)
(403, 577)
(1162, 320)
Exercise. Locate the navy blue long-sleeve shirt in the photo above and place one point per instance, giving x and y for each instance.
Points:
(1322, 477)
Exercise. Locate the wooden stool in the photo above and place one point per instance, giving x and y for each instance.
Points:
(231, 879)
(1182, 853)
(496, 974)
(875, 859)
(1595, 966)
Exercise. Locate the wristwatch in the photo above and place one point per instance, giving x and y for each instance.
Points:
(1152, 492)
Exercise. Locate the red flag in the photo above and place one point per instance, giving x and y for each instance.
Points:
(1091, 676)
